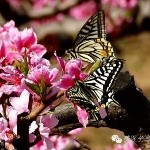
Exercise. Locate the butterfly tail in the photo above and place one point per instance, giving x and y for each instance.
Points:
(101, 25)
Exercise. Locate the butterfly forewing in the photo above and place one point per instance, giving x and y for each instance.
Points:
(90, 51)
(94, 28)
(90, 43)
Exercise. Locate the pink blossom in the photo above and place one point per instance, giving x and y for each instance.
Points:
(45, 144)
(66, 82)
(35, 60)
(14, 43)
(12, 80)
(83, 10)
(40, 72)
(60, 142)
(12, 119)
(75, 131)
(82, 116)
(44, 131)
(127, 3)
(61, 62)
(38, 49)
(2, 50)
(5, 133)
(12, 115)
(3, 126)
(72, 71)
(28, 37)
(7, 26)
(20, 104)
(9, 135)
(11, 75)
(73, 68)
(49, 120)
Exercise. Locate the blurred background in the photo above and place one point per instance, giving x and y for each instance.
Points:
(57, 22)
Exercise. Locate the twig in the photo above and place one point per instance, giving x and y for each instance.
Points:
(36, 112)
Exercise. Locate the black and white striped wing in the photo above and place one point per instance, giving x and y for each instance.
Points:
(101, 80)
(92, 50)
(96, 89)
(94, 28)
(80, 95)
(90, 43)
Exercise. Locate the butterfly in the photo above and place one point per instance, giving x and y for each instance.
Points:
(96, 89)
(90, 43)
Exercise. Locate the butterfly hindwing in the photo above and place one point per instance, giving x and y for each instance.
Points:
(96, 88)
(80, 95)
(101, 80)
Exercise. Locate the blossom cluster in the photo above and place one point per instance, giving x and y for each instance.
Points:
(27, 80)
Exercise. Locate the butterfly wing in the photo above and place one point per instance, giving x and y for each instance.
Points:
(80, 95)
(94, 28)
(101, 80)
(97, 87)
(90, 43)
(92, 50)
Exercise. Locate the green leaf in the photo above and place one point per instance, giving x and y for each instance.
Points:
(42, 87)
(22, 65)
(96, 65)
(33, 87)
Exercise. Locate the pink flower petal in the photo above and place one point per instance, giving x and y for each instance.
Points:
(28, 37)
(61, 62)
(20, 103)
(33, 127)
(40, 50)
(82, 116)
(102, 112)
(44, 131)
(12, 118)
(66, 82)
(49, 120)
